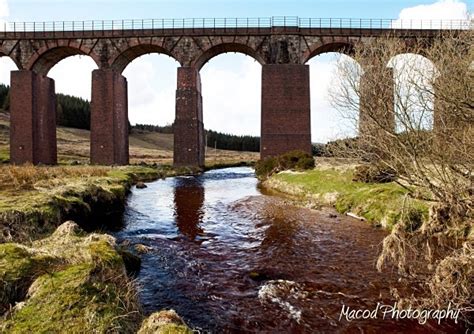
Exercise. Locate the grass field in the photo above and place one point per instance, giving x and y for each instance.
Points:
(148, 147)
(331, 184)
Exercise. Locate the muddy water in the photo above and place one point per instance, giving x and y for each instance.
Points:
(229, 259)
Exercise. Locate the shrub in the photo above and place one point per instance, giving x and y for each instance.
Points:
(295, 160)
(266, 167)
(374, 173)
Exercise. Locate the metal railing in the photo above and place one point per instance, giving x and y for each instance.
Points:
(235, 23)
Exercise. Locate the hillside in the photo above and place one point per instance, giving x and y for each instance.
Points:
(149, 147)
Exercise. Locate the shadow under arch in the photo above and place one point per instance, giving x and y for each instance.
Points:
(130, 54)
(46, 58)
(225, 48)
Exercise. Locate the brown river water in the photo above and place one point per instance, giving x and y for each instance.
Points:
(230, 259)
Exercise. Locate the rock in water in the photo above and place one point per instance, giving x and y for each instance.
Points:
(167, 321)
(141, 185)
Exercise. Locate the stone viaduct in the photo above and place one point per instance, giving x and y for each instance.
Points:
(282, 50)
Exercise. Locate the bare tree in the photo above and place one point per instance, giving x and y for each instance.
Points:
(418, 121)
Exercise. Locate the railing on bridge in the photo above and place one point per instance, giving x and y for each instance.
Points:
(233, 23)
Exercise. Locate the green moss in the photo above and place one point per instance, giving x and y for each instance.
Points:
(19, 266)
(78, 284)
(378, 203)
(4, 154)
(72, 301)
(174, 329)
(104, 255)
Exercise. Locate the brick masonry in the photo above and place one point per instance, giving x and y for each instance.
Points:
(33, 119)
(109, 118)
(189, 141)
(286, 109)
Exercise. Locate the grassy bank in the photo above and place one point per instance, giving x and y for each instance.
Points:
(71, 282)
(35, 200)
(333, 186)
(63, 279)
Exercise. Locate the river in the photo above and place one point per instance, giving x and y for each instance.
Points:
(230, 259)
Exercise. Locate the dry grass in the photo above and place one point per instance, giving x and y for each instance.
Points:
(25, 177)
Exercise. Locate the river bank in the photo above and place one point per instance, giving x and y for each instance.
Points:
(60, 277)
(331, 184)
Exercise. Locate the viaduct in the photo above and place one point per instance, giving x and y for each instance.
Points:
(281, 45)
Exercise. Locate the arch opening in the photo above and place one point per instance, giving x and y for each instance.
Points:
(332, 120)
(227, 48)
(6, 66)
(335, 47)
(231, 93)
(73, 77)
(131, 54)
(152, 81)
(46, 60)
(413, 76)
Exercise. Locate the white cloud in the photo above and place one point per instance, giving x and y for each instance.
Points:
(326, 122)
(151, 89)
(432, 15)
(4, 10)
(73, 76)
(6, 65)
(231, 90)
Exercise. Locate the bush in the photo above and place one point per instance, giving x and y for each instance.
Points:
(374, 173)
(294, 160)
(266, 167)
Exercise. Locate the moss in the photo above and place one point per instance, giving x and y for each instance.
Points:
(378, 203)
(19, 266)
(72, 301)
(164, 322)
(80, 285)
(4, 154)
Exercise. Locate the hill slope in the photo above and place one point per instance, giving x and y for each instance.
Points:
(149, 147)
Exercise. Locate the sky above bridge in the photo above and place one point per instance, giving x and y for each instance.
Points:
(230, 82)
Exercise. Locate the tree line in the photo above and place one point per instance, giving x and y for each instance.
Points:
(71, 111)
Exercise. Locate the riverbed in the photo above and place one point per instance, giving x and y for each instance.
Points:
(230, 259)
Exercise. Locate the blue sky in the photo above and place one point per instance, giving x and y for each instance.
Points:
(113, 9)
(231, 82)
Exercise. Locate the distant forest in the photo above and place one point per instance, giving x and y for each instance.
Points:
(71, 111)
(215, 139)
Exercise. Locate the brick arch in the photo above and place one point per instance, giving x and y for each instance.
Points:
(46, 57)
(340, 47)
(126, 56)
(224, 48)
